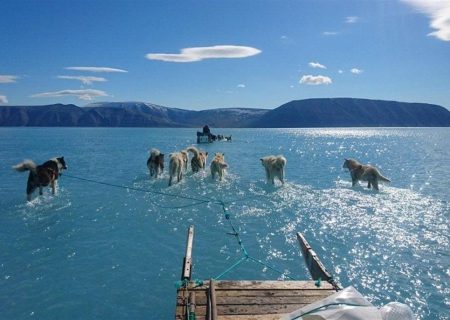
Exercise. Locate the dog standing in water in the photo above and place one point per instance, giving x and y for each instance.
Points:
(177, 163)
(218, 166)
(274, 166)
(42, 175)
(198, 161)
(364, 172)
(155, 163)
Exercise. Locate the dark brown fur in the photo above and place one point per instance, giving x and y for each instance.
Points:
(363, 172)
(198, 161)
(42, 175)
(155, 163)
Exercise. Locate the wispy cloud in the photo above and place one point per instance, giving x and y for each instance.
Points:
(84, 79)
(8, 78)
(351, 19)
(439, 13)
(315, 80)
(201, 53)
(330, 33)
(316, 65)
(356, 71)
(241, 85)
(3, 99)
(340, 71)
(96, 69)
(87, 94)
(286, 40)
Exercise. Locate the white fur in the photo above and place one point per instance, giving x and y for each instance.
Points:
(26, 165)
(274, 166)
(177, 162)
(60, 167)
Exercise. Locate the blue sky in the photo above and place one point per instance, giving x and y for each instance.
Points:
(213, 54)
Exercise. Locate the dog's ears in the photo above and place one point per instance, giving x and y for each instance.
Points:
(261, 159)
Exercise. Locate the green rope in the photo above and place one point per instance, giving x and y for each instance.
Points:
(231, 268)
(245, 254)
(198, 201)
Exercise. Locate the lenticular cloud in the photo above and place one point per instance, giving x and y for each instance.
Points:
(315, 80)
(201, 53)
(87, 94)
(439, 13)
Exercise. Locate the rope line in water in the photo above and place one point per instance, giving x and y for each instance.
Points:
(245, 255)
(198, 201)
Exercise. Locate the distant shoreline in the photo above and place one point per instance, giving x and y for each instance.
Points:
(309, 113)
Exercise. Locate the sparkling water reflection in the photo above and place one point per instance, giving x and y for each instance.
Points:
(93, 251)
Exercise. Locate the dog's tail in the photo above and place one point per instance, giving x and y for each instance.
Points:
(194, 150)
(382, 178)
(25, 166)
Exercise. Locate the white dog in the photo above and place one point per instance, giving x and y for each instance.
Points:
(274, 166)
(178, 162)
(218, 166)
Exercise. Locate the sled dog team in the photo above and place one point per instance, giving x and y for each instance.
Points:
(273, 165)
(178, 163)
(48, 173)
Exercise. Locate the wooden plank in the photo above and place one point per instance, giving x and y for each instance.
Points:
(240, 317)
(187, 261)
(246, 309)
(212, 294)
(203, 300)
(266, 293)
(315, 266)
(264, 285)
(192, 302)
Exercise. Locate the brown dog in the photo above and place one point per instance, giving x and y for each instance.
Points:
(42, 175)
(198, 161)
(218, 166)
(364, 172)
(155, 163)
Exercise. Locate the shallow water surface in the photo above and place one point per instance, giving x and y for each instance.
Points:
(100, 251)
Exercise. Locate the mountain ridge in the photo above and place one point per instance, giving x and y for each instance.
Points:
(314, 112)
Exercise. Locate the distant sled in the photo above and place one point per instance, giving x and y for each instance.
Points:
(206, 136)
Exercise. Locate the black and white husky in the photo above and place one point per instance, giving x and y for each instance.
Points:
(42, 175)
